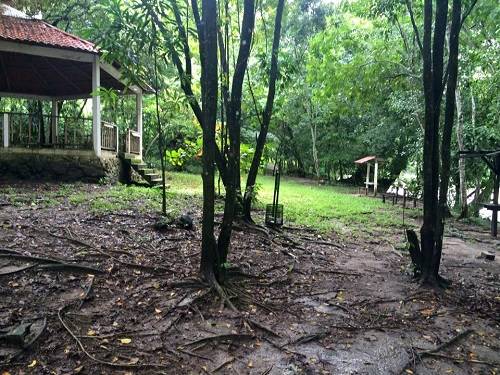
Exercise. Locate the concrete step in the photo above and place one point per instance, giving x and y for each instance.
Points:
(130, 156)
(136, 162)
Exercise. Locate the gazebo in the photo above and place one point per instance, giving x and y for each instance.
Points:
(369, 161)
(41, 62)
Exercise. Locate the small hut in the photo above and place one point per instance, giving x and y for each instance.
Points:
(370, 161)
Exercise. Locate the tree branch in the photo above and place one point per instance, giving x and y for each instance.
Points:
(414, 24)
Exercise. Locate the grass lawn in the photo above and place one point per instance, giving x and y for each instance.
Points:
(326, 208)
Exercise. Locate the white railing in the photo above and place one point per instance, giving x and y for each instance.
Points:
(133, 142)
(109, 136)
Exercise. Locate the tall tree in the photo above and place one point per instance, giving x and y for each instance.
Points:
(436, 153)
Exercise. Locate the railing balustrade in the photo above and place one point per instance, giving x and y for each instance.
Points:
(109, 136)
(133, 142)
(33, 130)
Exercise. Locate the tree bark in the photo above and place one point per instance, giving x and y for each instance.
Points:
(449, 116)
(462, 192)
(234, 128)
(210, 261)
(429, 164)
(266, 116)
(314, 137)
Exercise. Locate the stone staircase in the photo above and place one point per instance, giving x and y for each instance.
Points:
(150, 175)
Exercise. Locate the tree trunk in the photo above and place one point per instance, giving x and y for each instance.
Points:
(266, 116)
(210, 262)
(290, 144)
(314, 135)
(449, 116)
(430, 166)
(462, 192)
(234, 129)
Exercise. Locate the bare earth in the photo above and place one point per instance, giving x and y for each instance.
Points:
(306, 304)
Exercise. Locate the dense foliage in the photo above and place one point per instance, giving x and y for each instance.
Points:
(349, 85)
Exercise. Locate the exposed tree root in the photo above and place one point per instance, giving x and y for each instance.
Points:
(224, 337)
(100, 361)
(17, 270)
(223, 364)
(432, 352)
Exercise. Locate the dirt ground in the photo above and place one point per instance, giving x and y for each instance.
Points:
(306, 303)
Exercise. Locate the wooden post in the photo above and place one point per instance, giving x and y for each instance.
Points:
(375, 178)
(117, 139)
(404, 198)
(5, 130)
(96, 106)
(53, 121)
(367, 177)
(138, 112)
(127, 150)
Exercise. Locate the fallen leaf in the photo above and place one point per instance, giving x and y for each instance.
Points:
(78, 369)
(32, 364)
(134, 361)
(427, 312)
(250, 364)
(91, 332)
(158, 311)
(408, 371)
(125, 341)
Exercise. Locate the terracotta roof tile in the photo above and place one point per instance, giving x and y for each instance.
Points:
(38, 32)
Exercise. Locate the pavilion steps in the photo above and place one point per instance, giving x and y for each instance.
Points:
(148, 174)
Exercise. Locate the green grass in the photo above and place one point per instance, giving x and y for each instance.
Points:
(326, 208)
(122, 198)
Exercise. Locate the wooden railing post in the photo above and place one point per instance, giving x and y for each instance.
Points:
(117, 131)
(128, 142)
(5, 130)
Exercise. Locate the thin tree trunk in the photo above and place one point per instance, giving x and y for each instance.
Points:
(314, 137)
(234, 129)
(449, 116)
(432, 76)
(266, 116)
(161, 147)
(462, 192)
(210, 261)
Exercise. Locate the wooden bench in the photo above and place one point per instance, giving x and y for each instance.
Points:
(494, 208)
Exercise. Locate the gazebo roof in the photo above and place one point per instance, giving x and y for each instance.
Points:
(38, 60)
(366, 159)
(38, 32)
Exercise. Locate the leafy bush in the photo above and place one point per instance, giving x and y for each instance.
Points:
(182, 155)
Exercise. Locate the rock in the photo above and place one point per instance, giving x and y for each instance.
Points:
(185, 222)
(487, 255)
(163, 224)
